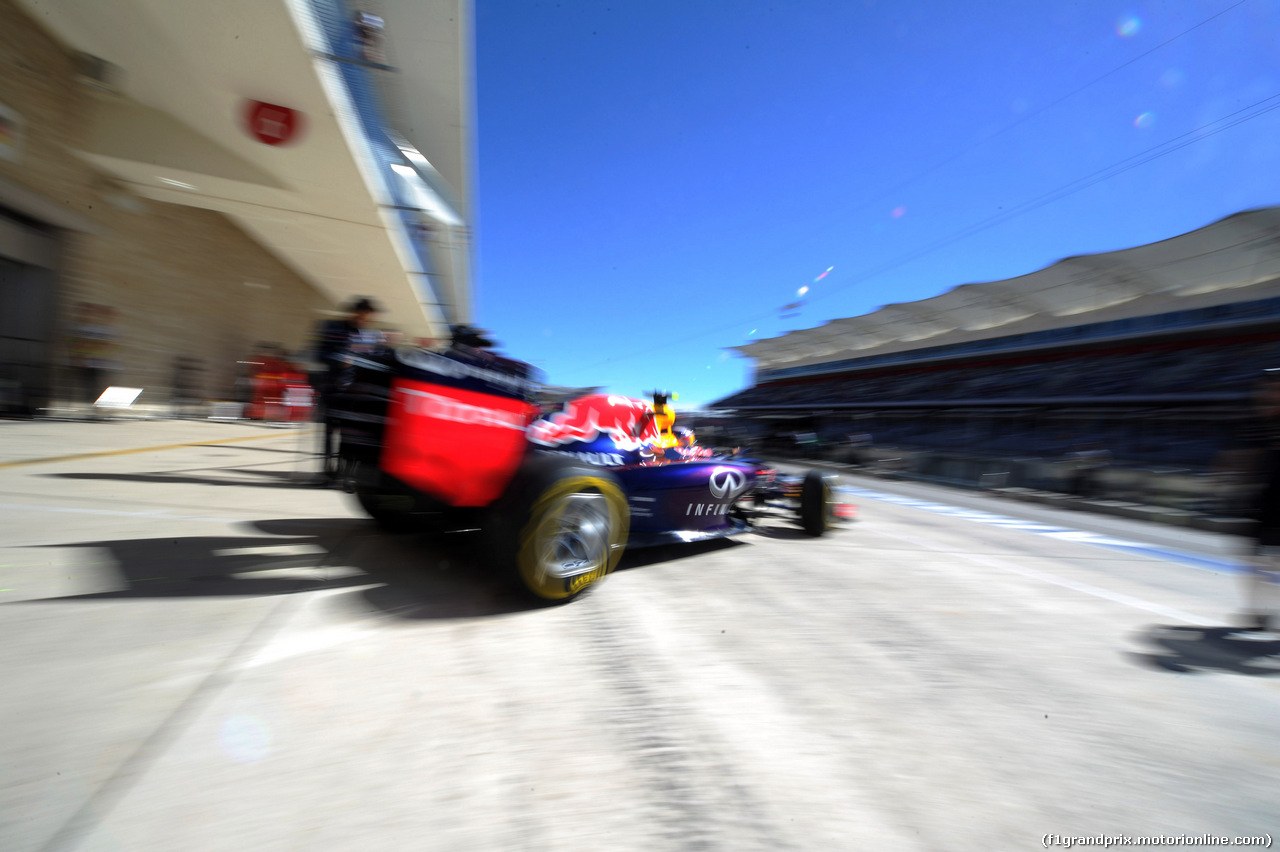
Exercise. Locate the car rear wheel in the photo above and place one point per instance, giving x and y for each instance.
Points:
(563, 527)
(391, 504)
(392, 512)
(817, 503)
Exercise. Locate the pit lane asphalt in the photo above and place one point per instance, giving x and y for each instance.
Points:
(202, 653)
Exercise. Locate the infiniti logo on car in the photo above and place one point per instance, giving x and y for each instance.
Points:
(726, 483)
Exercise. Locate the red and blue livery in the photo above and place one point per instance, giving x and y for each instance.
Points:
(457, 439)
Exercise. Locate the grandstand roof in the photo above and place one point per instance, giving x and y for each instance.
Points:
(1232, 260)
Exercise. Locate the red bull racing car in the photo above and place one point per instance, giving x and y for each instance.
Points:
(455, 439)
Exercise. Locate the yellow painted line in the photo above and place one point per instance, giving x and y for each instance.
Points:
(104, 453)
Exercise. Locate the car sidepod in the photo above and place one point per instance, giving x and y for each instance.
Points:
(685, 500)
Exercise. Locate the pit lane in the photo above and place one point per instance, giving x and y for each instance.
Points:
(206, 655)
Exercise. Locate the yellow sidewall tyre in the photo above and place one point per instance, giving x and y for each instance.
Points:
(561, 527)
(547, 523)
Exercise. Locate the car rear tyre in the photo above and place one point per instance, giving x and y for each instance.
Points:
(392, 508)
(817, 503)
(392, 512)
(563, 527)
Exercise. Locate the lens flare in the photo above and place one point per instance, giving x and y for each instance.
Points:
(802, 290)
(1172, 78)
(245, 739)
(898, 212)
(1128, 26)
(1145, 120)
(824, 274)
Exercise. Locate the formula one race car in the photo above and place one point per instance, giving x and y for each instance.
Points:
(454, 439)
(676, 490)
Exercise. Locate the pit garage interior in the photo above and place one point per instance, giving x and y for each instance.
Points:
(207, 179)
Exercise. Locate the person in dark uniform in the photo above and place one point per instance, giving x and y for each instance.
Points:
(1262, 577)
(339, 342)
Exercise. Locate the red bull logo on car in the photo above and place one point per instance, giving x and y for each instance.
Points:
(627, 422)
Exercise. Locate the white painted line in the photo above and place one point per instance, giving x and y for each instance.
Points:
(1204, 563)
(284, 647)
(1063, 582)
(281, 549)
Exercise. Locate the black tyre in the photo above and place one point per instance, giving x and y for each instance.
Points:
(561, 528)
(393, 512)
(817, 502)
(391, 505)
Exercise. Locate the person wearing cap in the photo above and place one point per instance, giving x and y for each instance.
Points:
(469, 337)
(339, 343)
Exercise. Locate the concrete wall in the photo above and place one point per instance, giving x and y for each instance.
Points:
(181, 280)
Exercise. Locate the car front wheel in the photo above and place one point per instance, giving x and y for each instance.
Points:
(817, 503)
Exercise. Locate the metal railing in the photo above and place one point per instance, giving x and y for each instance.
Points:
(345, 54)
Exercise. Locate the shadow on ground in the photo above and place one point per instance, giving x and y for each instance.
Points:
(229, 476)
(1187, 649)
(259, 449)
(413, 576)
(638, 558)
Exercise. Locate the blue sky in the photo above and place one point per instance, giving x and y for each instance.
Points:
(654, 181)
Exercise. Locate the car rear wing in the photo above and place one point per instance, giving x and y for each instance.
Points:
(456, 423)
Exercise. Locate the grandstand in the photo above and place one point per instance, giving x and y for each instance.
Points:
(1150, 352)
